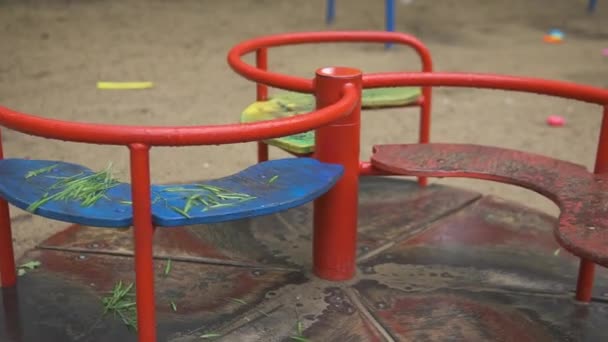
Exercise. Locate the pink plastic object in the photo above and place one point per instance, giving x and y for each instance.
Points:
(605, 52)
(555, 120)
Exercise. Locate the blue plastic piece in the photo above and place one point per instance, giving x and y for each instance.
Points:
(591, 6)
(21, 192)
(556, 33)
(330, 11)
(270, 187)
(389, 13)
(276, 185)
(389, 9)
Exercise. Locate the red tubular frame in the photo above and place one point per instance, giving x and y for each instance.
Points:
(143, 234)
(139, 139)
(335, 213)
(8, 273)
(427, 80)
(584, 286)
(586, 270)
(265, 78)
(261, 61)
(178, 135)
(601, 157)
(489, 81)
(335, 237)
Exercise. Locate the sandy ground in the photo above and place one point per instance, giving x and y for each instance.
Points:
(53, 53)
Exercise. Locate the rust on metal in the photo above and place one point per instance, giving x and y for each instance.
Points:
(581, 195)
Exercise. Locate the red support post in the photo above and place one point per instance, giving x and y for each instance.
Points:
(335, 213)
(262, 151)
(7, 256)
(601, 157)
(584, 284)
(144, 235)
(8, 273)
(425, 106)
(261, 60)
(586, 270)
(12, 314)
(425, 123)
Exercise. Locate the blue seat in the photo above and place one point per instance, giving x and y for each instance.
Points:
(261, 189)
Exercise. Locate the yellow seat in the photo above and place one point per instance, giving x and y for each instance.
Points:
(291, 103)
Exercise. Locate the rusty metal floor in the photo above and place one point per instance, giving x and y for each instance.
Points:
(435, 264)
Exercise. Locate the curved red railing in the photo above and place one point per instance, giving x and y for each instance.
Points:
(304, 85)
(343, 101)
(490, 81)
(525, 84)
(562, 89)
(179, 135)
(265, 78)
(139, 139)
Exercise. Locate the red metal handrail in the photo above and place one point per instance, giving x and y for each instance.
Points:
(304, 85)
(524, 84)
(490, 81)
(178, 135)
(139, 139)
(265, 78)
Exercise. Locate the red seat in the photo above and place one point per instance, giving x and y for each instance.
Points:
(581, 195)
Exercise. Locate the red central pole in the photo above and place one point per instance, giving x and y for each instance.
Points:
(144, 235)
(335, 213)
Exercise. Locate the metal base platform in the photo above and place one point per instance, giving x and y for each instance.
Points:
(435, 264)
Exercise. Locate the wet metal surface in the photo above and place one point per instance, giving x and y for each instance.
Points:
(581, 195)
(435, 264)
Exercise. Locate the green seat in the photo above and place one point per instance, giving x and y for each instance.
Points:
(291, 103)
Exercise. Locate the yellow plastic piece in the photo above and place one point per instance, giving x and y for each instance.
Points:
(124, 85)
(289, 103)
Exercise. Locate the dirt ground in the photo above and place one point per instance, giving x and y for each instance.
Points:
(53, 53)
